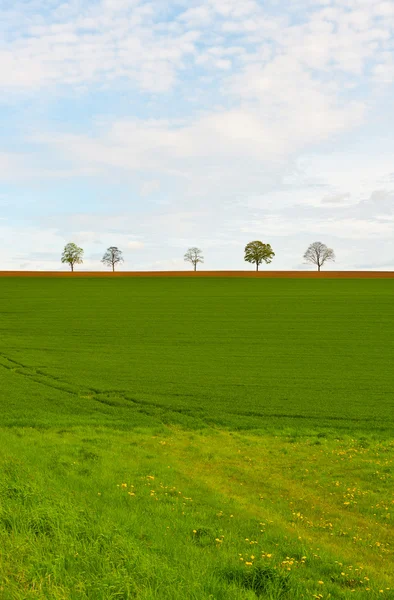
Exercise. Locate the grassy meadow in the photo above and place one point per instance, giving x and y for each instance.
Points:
(196, 438)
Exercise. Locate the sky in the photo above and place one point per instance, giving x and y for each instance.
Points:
(156, 125)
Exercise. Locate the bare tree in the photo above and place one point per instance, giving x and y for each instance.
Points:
(318, 254)
(194, 256)
(113, 256)
(72, 254)
(257, 252)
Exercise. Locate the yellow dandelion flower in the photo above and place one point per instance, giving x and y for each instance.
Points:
(249, 563)
(124, 485)
(320, 582)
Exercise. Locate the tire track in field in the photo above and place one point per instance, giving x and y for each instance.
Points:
(31, 372)
(117, 398)
(106, 397)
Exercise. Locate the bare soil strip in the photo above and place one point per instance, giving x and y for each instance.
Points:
(259, 274)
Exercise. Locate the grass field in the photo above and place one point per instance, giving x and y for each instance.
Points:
(196, 438)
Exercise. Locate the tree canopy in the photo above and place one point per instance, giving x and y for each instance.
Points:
(112, 257)
(318, 254)
(72, 255)
(257, 252)
(194, 256)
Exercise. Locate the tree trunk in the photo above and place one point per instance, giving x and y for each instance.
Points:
(195, 266)
(113, 267)
(257, 266)
(318, 267)
(72, 267)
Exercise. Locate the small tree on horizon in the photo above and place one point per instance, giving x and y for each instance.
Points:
(194, 256)
(72, 255)
(257, 252)
(113, 256)
(318, 254)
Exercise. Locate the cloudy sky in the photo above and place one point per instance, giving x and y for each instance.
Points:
(155, 125)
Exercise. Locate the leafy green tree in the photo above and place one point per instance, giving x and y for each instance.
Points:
(72, 254)
(113, 256)
(194, 256)
(257, 252)
(318, 254)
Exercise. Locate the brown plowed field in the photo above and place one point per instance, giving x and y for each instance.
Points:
(263, 274)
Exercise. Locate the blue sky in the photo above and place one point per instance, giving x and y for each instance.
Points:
(159, 125)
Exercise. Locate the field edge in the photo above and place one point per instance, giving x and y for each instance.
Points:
(198, 274)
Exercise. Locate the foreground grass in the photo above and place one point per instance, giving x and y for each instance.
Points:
(169, 513)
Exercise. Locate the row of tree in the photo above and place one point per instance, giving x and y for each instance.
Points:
(255, 252)
(73, 255)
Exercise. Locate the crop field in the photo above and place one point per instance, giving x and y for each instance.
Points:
(196, 438)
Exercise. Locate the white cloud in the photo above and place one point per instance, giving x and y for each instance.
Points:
(278, 225)
(286, 89)
(149, 187)
(380, 204)
(105, 42)
(135, 245)
(170, 264)
(336, 199)
(86, 237)
(282, 124)
(21, 166)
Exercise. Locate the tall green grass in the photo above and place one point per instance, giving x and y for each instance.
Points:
(195, 439)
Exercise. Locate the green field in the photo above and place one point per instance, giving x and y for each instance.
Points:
(196, 438)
